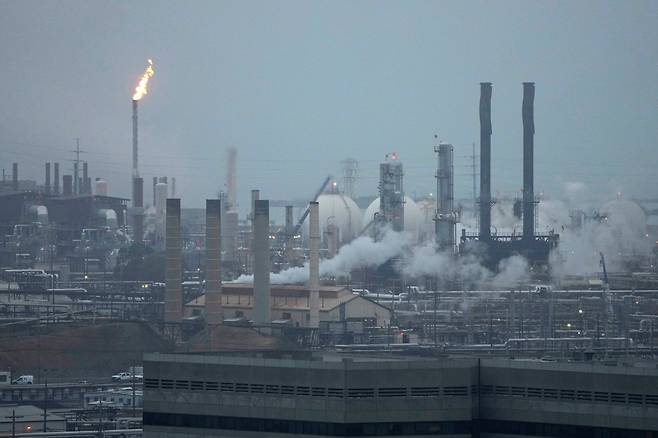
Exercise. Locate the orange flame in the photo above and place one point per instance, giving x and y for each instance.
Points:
(142, 88)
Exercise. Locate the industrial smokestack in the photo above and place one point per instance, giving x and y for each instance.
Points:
(288, 255)
(445, 214)
(173, 187)
(47, 185)
(231, 178)
(85, 178)
(485, 160)
(314, 265)
(135, 141)
(67, 183)
(138, 213)
(528, 115)
(213, 262)
(261, 255)
(155, 181)
(14, 176)
(173, 312)
(255, 196)
(56, 179)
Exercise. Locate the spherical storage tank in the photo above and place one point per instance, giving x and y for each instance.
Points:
(627, 215)
(341, 211)
(412, 215)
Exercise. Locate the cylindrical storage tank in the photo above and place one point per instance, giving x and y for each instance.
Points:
(412, 215)
(100, 187)
(161, 190)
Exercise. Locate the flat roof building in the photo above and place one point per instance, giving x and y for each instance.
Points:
(327, 394)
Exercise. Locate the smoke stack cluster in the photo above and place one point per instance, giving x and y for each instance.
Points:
(213, 262)
(261, 255)
(528, 114)
(485, 160)
(173, 311)
(314, 265)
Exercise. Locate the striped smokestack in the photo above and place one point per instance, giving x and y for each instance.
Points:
(213, 262)
(173, 311)
(261, 256)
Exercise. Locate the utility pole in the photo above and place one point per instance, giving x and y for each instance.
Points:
(133, 386)
(13, 417)
(45, 408)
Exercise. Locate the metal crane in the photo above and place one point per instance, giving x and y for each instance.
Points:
(308, 207)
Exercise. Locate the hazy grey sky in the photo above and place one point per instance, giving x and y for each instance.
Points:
(299, 86)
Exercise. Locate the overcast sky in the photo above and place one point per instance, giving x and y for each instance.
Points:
(299, 86)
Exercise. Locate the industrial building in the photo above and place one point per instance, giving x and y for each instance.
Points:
(290, 304)
(325, 394)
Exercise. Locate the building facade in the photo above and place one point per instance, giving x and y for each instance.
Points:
(279, 395)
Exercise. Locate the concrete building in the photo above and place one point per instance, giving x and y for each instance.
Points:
(305, 394)
(292, 303)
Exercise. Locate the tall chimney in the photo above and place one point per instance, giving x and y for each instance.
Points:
(135, 142)
(173, 312)
(138, 213)
(155, 181)
(56, 179)
(213, 262)
(255, 196)
(85, 178)
(445, 217)
(14, 176)
(485, 160)
(261, 255)
(314, 265)
(67, 183)
(289, 237)
(231, 177)
(173, 186)
(47, 185)
(528, 111)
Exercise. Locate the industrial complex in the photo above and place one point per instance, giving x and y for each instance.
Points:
(388, 314)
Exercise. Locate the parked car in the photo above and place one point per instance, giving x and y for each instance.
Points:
(24, 380)
(122, 377)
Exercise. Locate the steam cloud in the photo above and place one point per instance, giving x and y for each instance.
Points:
(621, 234)
(415, 261)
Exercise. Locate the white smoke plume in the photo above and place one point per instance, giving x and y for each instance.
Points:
(360, 253)
(467, 270)
(617, 229)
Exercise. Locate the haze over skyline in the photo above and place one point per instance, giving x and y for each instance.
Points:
(299, 86)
